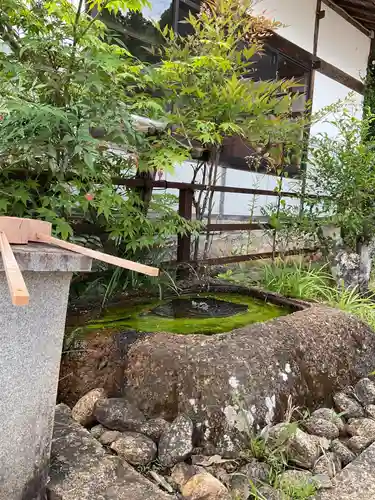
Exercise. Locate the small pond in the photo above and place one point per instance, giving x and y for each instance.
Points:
(199, 313)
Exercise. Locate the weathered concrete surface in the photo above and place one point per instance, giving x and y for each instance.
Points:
(82, 470)
(243, 378)
(31, 340)
(38, 257)
(356, 481)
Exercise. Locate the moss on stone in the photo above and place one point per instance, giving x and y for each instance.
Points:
(138, 317)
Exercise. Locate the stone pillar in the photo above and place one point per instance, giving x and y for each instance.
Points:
(31, 340)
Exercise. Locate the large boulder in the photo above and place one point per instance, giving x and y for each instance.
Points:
(356, 481)
(229, 383)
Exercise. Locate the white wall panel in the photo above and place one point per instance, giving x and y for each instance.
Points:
(184, 173)
(242, 204)
(327, 92)
(343, 45)
(297, 16)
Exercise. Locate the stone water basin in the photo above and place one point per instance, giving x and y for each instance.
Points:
(235, 381)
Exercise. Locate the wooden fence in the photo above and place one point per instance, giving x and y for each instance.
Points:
(185, 209)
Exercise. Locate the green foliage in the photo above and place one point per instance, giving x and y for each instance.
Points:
(68, 97)
(369, 95)
(275, 455)
(206, 77)
(63, 84)
(205, 80)
(302, 490)
(297, 280)
(343, 170)
(351, 301)
(342, 174)
(310, 283)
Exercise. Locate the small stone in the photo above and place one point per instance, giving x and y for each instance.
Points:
(322, 443)
(322, 481)
(182, 472)
(330, 415)
(295, 478)
(83, 411)
(342, 452)
(328, 464)
(135, 448)
(279, 434)
(161, 481)
(365, 391)
(200, 460)
(219, 471)
(370, 411)
(256, 471)
(268, 493)
(362, 427)
(207, 461)
(204, 486)
(321, 427)
(153, 428)
(358, 443)
(303, 449)
(348, 406)
(239, 486)
(253, 473)
(176, 442)
(108, 437)
(118, 414)
(97, 431)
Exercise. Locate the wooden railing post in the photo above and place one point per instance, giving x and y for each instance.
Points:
(185, 209)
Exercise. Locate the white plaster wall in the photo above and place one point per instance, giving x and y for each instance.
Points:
(184, 173)
(236, 205)
(342, 44)
(242, 204)
(297, 16)
(327, 92)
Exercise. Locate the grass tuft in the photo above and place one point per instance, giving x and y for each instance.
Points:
(296, 280)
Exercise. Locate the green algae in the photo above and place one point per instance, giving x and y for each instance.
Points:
(138, 317)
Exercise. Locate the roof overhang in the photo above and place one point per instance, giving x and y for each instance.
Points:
(360, 12)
